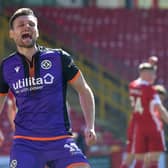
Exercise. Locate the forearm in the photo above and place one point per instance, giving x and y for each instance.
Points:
(164, 114)
(87, 103)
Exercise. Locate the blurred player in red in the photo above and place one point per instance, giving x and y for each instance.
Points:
(128, 160)
(153, 60)
(11, 111)
(129, 157)
(161, 90)
(147, 133)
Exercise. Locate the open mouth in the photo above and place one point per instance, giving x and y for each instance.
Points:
(26, 36)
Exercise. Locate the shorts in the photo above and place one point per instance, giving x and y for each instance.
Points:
(148, 139)
(35, 154)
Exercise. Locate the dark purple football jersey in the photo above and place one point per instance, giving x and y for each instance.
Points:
(40, 88)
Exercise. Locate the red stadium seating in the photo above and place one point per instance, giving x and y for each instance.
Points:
(117, 38)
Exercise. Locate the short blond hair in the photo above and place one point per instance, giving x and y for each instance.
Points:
(146, 66)
(161, 89)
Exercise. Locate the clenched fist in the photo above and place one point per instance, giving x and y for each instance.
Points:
(90, 137)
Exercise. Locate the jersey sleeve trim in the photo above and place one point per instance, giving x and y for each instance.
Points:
(156, 99)
(75, 77)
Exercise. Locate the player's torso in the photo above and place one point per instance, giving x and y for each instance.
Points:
(26, 78)
(141, 96)
(39, 90)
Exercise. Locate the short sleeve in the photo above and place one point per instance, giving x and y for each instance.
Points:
(3, 85)
(70, 69)
(156, 99)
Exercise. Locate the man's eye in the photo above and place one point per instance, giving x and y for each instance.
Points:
(32, 24)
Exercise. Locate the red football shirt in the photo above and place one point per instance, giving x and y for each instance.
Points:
(143, 98)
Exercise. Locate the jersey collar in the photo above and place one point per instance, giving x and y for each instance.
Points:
(141, 81)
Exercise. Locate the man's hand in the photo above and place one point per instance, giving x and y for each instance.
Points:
(1, 138)
(90, 137)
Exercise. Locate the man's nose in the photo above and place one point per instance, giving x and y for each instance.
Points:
(27, 25)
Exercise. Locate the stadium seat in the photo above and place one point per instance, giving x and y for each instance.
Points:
(129, 35)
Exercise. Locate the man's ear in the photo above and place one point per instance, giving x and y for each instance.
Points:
(37, 33)
(11, 33)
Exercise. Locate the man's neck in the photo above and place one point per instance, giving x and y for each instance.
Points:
(143, 80)
(27, 52)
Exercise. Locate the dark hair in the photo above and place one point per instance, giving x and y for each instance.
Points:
(20, 12)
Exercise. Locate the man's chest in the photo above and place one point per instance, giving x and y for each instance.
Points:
(43, 74)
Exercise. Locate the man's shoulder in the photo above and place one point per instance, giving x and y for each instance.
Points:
(9, 57)
(133, 83)
(59, 51)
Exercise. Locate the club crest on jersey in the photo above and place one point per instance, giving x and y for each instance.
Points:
(13, 164)
(46, 64)
(17, 68)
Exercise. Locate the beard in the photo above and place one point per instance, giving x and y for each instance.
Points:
(30, 45)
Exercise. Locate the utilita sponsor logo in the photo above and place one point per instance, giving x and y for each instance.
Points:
(32, 83)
